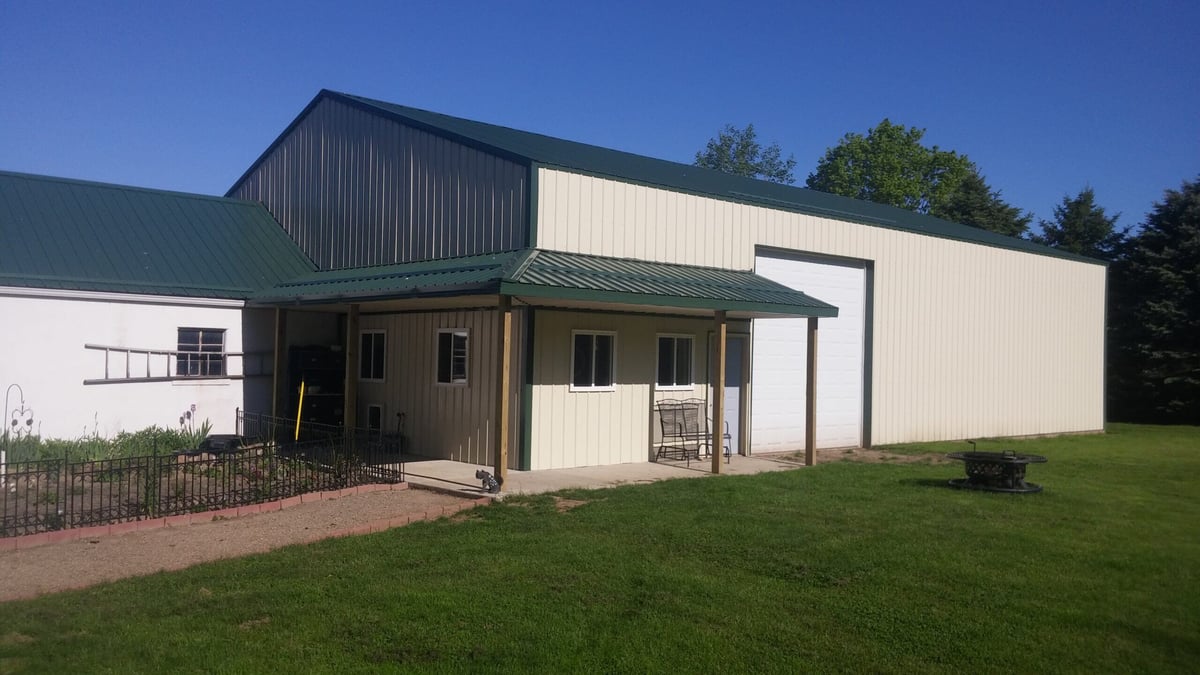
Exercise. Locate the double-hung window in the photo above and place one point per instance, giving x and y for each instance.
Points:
(201, 352)
(452, 354)
(372, 356)
(675, 361)
(592, 361)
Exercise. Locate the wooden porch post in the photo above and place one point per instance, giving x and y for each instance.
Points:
(279, 373)
(503, 380)
(718, 427)
(350, 397)
(810, 396)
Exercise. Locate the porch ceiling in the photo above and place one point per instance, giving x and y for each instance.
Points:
(553, 277)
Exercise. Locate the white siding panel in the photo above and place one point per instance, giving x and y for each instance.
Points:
(969, 340)
(44, 354)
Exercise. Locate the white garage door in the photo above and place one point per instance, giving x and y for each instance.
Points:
(780, 356)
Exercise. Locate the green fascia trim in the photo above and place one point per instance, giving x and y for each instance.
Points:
(531, 231)
(590, 295)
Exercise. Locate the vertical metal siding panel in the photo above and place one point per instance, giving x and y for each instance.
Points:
(966, 342)
(590, 428)
(355, 189)
(451, 422)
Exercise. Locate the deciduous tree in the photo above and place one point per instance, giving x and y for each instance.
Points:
(889, 165)
(737, 151)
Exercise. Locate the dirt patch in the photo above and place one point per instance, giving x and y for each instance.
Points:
(11, 639)
(254, 623)
(81, 563)
(562, 505)
(871, 456)
(866, 456)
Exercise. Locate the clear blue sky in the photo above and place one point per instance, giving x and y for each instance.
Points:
(1044, 97)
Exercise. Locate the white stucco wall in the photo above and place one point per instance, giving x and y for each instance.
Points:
(42, 351)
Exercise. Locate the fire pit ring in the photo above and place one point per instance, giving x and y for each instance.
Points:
(996, 471)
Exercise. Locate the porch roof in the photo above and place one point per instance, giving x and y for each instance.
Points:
(554, 276)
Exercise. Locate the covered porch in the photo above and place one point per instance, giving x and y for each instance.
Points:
(478, 359)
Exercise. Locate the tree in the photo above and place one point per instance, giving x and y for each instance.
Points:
(737, 151)
(889, 165)
(1081, 226)
(976, 204)
(1155, 315)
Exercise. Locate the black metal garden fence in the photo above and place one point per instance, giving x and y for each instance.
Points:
(55, 494)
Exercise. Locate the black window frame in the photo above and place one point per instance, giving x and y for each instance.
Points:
(372, 357)
(452, 367)
(586, 372)
(202, 355)
(668, 349)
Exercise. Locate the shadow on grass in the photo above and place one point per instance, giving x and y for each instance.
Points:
(927, 482)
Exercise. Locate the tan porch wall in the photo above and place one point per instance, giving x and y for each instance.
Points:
(589, 428)
(969, 340)
(445, 421)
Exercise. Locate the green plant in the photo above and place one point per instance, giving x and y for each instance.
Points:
(188, 432)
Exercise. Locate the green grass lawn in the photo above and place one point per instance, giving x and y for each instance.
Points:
(841, 567)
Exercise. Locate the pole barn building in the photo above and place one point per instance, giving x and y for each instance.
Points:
(506, 290)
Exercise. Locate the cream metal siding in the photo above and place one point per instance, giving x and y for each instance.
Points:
(586, 428)
(968, 340)
(441, 420)
(355, 189)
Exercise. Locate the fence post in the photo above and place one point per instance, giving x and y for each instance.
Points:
(65, 493)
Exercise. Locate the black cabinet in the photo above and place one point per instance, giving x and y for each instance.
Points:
(323, 372)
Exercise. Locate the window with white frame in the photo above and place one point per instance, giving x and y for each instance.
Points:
(201, 352)
(452, 352)
(675, 361)
(372, 355)
(592, 362)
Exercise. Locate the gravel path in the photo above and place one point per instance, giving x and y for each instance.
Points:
(77, 564)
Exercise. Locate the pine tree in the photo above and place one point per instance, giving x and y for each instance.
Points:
(1081, 226)
(1155, 315)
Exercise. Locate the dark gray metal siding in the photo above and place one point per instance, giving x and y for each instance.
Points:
(355, 189)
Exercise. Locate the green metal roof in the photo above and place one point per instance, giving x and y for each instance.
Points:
(553, 275)
(446, 276)
(77, 235)
(539, 149)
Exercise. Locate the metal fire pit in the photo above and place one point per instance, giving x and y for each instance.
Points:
(996, 471)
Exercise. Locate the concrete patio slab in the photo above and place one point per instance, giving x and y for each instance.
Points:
(459, 477)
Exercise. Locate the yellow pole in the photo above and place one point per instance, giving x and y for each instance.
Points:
(299, 409)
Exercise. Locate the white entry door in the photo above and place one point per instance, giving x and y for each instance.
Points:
(780, 358)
